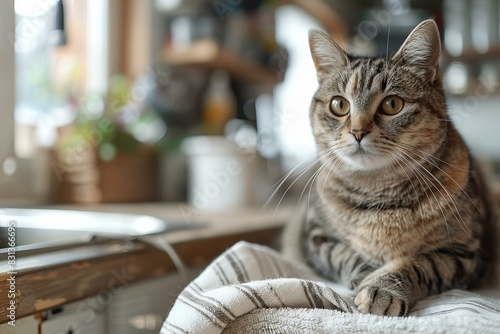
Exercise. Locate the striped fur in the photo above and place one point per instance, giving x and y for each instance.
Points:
(403, 213)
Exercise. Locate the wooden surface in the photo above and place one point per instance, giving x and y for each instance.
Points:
(334, 23)
(472, 55)
(45, 281)
(209, 55)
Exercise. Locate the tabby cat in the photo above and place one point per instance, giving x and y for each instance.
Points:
(399, 210)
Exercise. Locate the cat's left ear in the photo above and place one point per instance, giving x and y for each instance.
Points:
(327, 55)
(421, 50)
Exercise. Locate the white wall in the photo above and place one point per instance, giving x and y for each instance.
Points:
(293, 97)
(477, 117)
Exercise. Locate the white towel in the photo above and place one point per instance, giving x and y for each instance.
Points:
(253, 289)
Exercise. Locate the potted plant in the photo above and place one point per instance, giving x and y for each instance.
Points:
(107, 154)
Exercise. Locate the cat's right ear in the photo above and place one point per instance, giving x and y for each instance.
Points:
(327, 55)
(421, 50)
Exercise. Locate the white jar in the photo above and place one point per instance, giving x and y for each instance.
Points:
(218, 174)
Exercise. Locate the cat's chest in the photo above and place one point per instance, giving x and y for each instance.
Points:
(380, 235)
(383, 242)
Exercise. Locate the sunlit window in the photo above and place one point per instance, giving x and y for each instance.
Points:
(49, 51)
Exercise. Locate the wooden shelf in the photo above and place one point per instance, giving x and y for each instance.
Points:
(209, 55)
(471, 54)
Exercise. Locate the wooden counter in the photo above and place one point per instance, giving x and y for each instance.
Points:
(51, 279)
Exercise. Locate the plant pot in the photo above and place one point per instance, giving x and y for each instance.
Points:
(83, 177)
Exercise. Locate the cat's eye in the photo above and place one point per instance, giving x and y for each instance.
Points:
(391, 105)
(339, 106)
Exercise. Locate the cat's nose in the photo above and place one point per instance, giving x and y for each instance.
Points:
(359, 134)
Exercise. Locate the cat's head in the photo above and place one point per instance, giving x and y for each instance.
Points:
(370, 112)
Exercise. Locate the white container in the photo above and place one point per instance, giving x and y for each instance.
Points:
(218, 174)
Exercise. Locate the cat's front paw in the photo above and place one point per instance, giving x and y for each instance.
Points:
(378, 301)
(358, 275)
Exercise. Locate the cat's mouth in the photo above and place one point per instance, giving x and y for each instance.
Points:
(358, 149)
(363, 158)
(361, 151)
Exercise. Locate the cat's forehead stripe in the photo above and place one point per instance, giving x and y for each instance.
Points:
(366, 76)
(355, 82)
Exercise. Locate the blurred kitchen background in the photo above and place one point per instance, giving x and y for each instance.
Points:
(119, 101)
(189, 113)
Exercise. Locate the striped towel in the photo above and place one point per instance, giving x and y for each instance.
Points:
(253, 289)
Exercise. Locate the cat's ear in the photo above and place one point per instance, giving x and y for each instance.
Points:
(421, 50)
(327, 55)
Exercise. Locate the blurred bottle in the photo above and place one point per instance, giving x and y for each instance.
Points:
(457, 23)
(484, 23)
(219, 105)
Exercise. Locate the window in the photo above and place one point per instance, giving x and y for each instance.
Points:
(8, 164)
(49, 69)
(40, 81)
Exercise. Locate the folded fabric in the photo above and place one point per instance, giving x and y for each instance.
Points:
(253, 289)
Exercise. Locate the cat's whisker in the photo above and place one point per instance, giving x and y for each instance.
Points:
(394, 157)
(428, 187)
(313, 179)
(444, 120)
(291, 185)
(454, 210)
(417, 195)
(454, 181)
(420, 177)
(317, 172)
(335, 161)
(280, 182)
(339, 72)
(387, 47)
(430, 156)
(315, 175)
(327, 177)
(402, 57)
